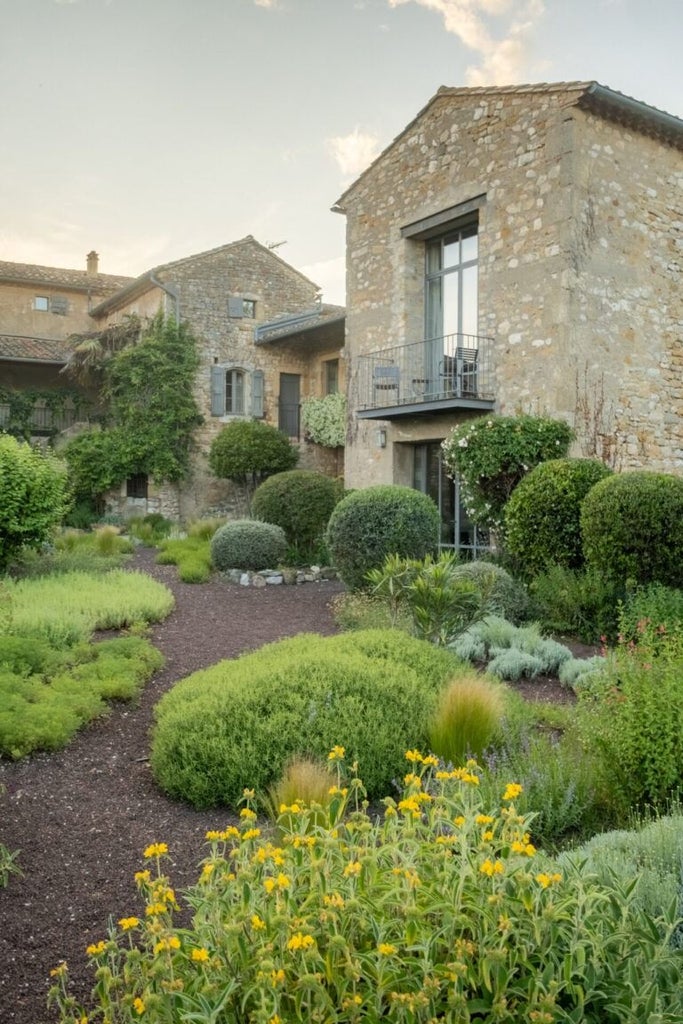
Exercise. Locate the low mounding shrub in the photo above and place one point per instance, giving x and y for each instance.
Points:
(247, 451)
(300, 501)
(511, 651)
(574, 602)
(632, 528)
(651, 855)
(443, 911)
(542, 517)
(653, 614)
(505, 596)
(239, 722)
(248, 544)
(370, 524)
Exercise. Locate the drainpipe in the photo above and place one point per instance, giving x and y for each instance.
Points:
(169, 291)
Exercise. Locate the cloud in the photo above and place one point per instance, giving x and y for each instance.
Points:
(330, 276)
(354, 152)
(266, 3)
(503, 61)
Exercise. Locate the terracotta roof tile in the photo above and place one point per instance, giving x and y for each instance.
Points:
(30, 273)
(39, 350)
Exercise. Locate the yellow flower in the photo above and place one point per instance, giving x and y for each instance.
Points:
(277, 978)
(248, 794)
(512, 791)
(411, 805)
(212, 835)
(283, 882)
(138, 1006)
(335, 900)
(336, 754)
(490, 867)
(430, 761)
(248, 814)
(97, 948)
(290, 809)
(128, 922)
(459, 821)
(487, 836)
(414, 756)
(142, 876)
(546, 880)
(251, 833)
(155, 850)
(411, 779)
(59, 971)
(172, 942)
(155, 908)
(300, 941)
(275, 1019)
(386, 949)
(207, 871)
(269, 884)
(200, 954)
(256, 923)
(352, 868)
(483, 819)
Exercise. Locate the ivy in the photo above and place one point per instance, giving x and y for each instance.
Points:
(324, 420)
(490, 456)
(21, 406)
(148, 387)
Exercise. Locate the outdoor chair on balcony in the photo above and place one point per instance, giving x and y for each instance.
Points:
(386, 380)
(459, 372)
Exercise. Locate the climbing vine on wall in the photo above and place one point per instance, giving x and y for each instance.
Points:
(20, 411)
(149, 390)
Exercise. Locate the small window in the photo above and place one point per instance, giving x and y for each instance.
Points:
(136, 486)
(249, 308)
(234, 393)
(59, 305)
(331, 376)
(41, 303)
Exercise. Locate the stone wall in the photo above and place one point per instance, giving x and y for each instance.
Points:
(580, 252)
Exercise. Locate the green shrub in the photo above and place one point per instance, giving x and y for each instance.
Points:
(149, 529)
(490, 455)
(42, 709)
(467, 718)
(324, 420)
(654, 615)
(239, 722)
(299, 501)
(576, 603)
(368, 525)
(632, 527)
(443, 911)
(33, 496)
(360, 610)
(576, 672)
(649, 855)
(25, 657)
(248, 544)
(511, 651)
(632, 714)
(542, 517)
(247, 451)
(505, 596)
(194, 569)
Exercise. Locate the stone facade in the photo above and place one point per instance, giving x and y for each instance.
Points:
(576, 195)
(225, 295)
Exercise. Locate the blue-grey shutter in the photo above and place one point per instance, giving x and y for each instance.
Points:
(235, 307)
(257, 389)
(217, 391)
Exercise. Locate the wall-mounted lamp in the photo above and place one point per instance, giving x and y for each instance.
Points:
(381, 438)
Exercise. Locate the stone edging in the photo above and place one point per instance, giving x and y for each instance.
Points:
(279, 577)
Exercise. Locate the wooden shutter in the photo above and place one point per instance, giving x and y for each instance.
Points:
(217, 391)
(235, 307)
(257, 395)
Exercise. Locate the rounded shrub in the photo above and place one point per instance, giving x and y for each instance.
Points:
(248, 544)
(632, 528)
(300, 501)
(240, 722)
(504, 595)
(247, 451)
(542, 517)
(369, 524)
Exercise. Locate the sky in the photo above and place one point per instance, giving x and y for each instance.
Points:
(150, 130)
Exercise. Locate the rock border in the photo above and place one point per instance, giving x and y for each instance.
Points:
(280, 577)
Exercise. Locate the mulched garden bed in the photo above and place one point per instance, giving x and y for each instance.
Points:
(82, 817)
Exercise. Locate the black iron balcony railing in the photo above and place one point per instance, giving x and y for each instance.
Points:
(447, 372)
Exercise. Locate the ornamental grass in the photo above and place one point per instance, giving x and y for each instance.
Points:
(441, 911)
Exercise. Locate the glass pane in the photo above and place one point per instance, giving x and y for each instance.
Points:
(469, 245)
(469, 302)
(451, 251)
(433, 257)
(451, 303)
(434, 324)
(238, 386)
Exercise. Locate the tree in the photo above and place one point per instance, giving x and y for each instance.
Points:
(32, 496)
(248, 451)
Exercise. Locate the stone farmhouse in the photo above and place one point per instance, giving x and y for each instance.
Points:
(516, 250)
(266, 343)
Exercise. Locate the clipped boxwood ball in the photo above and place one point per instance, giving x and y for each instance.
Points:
(370, 524)
(300, 501)
(248, 544)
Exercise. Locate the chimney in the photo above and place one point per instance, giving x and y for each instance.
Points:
(93, 260)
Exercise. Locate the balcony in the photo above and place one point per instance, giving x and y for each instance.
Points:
(42, 422)
(452, 372)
